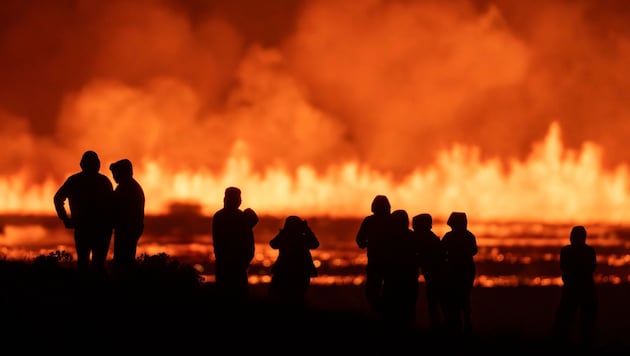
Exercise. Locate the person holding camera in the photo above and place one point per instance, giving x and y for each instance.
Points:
(294, 267)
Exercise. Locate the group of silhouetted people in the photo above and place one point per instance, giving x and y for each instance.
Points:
(399, 251)
(97, 210)
(233, 243)
(398, 255)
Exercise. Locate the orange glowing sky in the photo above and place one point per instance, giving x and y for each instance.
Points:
(505, 109)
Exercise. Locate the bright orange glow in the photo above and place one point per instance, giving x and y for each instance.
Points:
(502, 109)
(552, 184)
(514, 112)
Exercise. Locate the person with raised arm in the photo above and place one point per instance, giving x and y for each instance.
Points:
(293, 269)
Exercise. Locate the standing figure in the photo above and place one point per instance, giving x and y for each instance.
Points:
(128, 215)
(233, 243)
(89, 194)
(579, 295)
(400, 287)
(431, 261)
(373, 235)
(460, 246)
(294, 267)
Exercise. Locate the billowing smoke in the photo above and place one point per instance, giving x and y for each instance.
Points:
(387, 83)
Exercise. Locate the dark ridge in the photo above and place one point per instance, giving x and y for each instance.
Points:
(166, 306)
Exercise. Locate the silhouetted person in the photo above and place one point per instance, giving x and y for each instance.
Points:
(128, 213)
(431, 261)
(400, 288)
(294, 267)
(233, 242)
(89, 194)
(460, 246)
(579, 296)
(373, 235)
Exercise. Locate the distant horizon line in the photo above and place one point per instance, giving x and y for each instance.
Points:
(4, 216)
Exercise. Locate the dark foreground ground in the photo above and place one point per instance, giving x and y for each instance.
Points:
(47, 307)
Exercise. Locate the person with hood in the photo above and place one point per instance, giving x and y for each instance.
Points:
(460, 247)
(89, 195)
(373, 235)
(234, 247)
(292, 272)
(400, 287)
(128, 210)
(431, 261)
(579, 295)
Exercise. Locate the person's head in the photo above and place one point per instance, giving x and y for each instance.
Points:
(251, 219)
(232, 198)
(294, 223)
(400, 220)
(121, 170)
(578, 235)
(457, 221)
(422, 222)
(90, 162)
(380, 205)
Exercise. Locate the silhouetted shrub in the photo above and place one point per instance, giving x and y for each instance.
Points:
(164, 270)
(54, 258)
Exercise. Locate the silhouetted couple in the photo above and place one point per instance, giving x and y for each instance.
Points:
(97, 211)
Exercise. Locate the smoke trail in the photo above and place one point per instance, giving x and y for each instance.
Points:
(389, 83)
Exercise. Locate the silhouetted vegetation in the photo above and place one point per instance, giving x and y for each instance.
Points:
(54, 275)
(165, 270)
(166, 305)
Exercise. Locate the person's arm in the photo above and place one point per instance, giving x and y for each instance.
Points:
(362, 235)
(593, 261)
(473, 244)
(312, 242)
(564, 263)
(59, 201)
(277, 241)
(217, 235)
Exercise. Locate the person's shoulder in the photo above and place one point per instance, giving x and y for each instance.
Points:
(103, 178)
(75, 176)
(375, 218)
(74, 181)
(136, 184)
